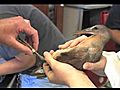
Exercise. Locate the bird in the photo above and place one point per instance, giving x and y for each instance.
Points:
(89, 50)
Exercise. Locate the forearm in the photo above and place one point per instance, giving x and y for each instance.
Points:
(10, 67)
(16, 65)
(114, 35)
(80, 81)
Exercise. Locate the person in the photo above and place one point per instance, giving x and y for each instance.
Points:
(109, 63)
(11, 27)
(112, 22)
(62, 73)
(47, 31)
(49, 38)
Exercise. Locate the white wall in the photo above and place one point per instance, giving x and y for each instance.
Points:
(71, 21)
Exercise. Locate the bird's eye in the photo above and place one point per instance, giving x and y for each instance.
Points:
(95, 28)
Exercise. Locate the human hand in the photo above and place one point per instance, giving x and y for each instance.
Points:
(97, 67)
(73, 42)
(10, 29)
(62, 73)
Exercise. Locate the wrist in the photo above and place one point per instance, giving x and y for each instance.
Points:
(80, 80)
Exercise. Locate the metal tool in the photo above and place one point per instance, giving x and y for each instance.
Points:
(39, 72)
(32, 49)
(12, 81)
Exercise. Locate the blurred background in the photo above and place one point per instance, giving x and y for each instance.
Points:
(70, 18)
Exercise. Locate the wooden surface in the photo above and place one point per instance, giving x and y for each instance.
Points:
(59, 17)
(43, 7)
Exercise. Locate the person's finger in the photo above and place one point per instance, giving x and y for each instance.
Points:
(77, 41)
(51, 52)
(67, 44)
(89, 66)
(35, 39)
(47, 69)
(94, 66)
(34, 35)
(49, 59)
(74, 43)
(17, 45)
(27, 21)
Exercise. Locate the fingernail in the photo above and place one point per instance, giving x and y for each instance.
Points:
(59, 46)
(85, 66)
(45, 52)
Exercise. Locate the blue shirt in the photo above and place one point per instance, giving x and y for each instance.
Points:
(7, 52)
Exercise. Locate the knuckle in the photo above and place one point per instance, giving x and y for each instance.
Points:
(19, 17)
(35, 32)
(27, 21)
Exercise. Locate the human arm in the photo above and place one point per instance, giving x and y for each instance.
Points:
(113, 22)
(73, 42)
(20, 63)
(63, 73)
(10, 28)
(115, 33)
(110, 64)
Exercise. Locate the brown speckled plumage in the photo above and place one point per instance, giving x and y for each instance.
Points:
(89, 50)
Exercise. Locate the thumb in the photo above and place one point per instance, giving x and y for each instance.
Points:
(49, 59)
(89, 66)
(100, 65)
(94, 66)
(19, 46)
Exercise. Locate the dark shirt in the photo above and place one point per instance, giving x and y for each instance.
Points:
(113, 20)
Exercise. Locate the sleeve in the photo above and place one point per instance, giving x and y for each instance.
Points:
(7, 52)
(112, 68)
(113, 20)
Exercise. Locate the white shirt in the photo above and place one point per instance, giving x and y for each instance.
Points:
(112, 68)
